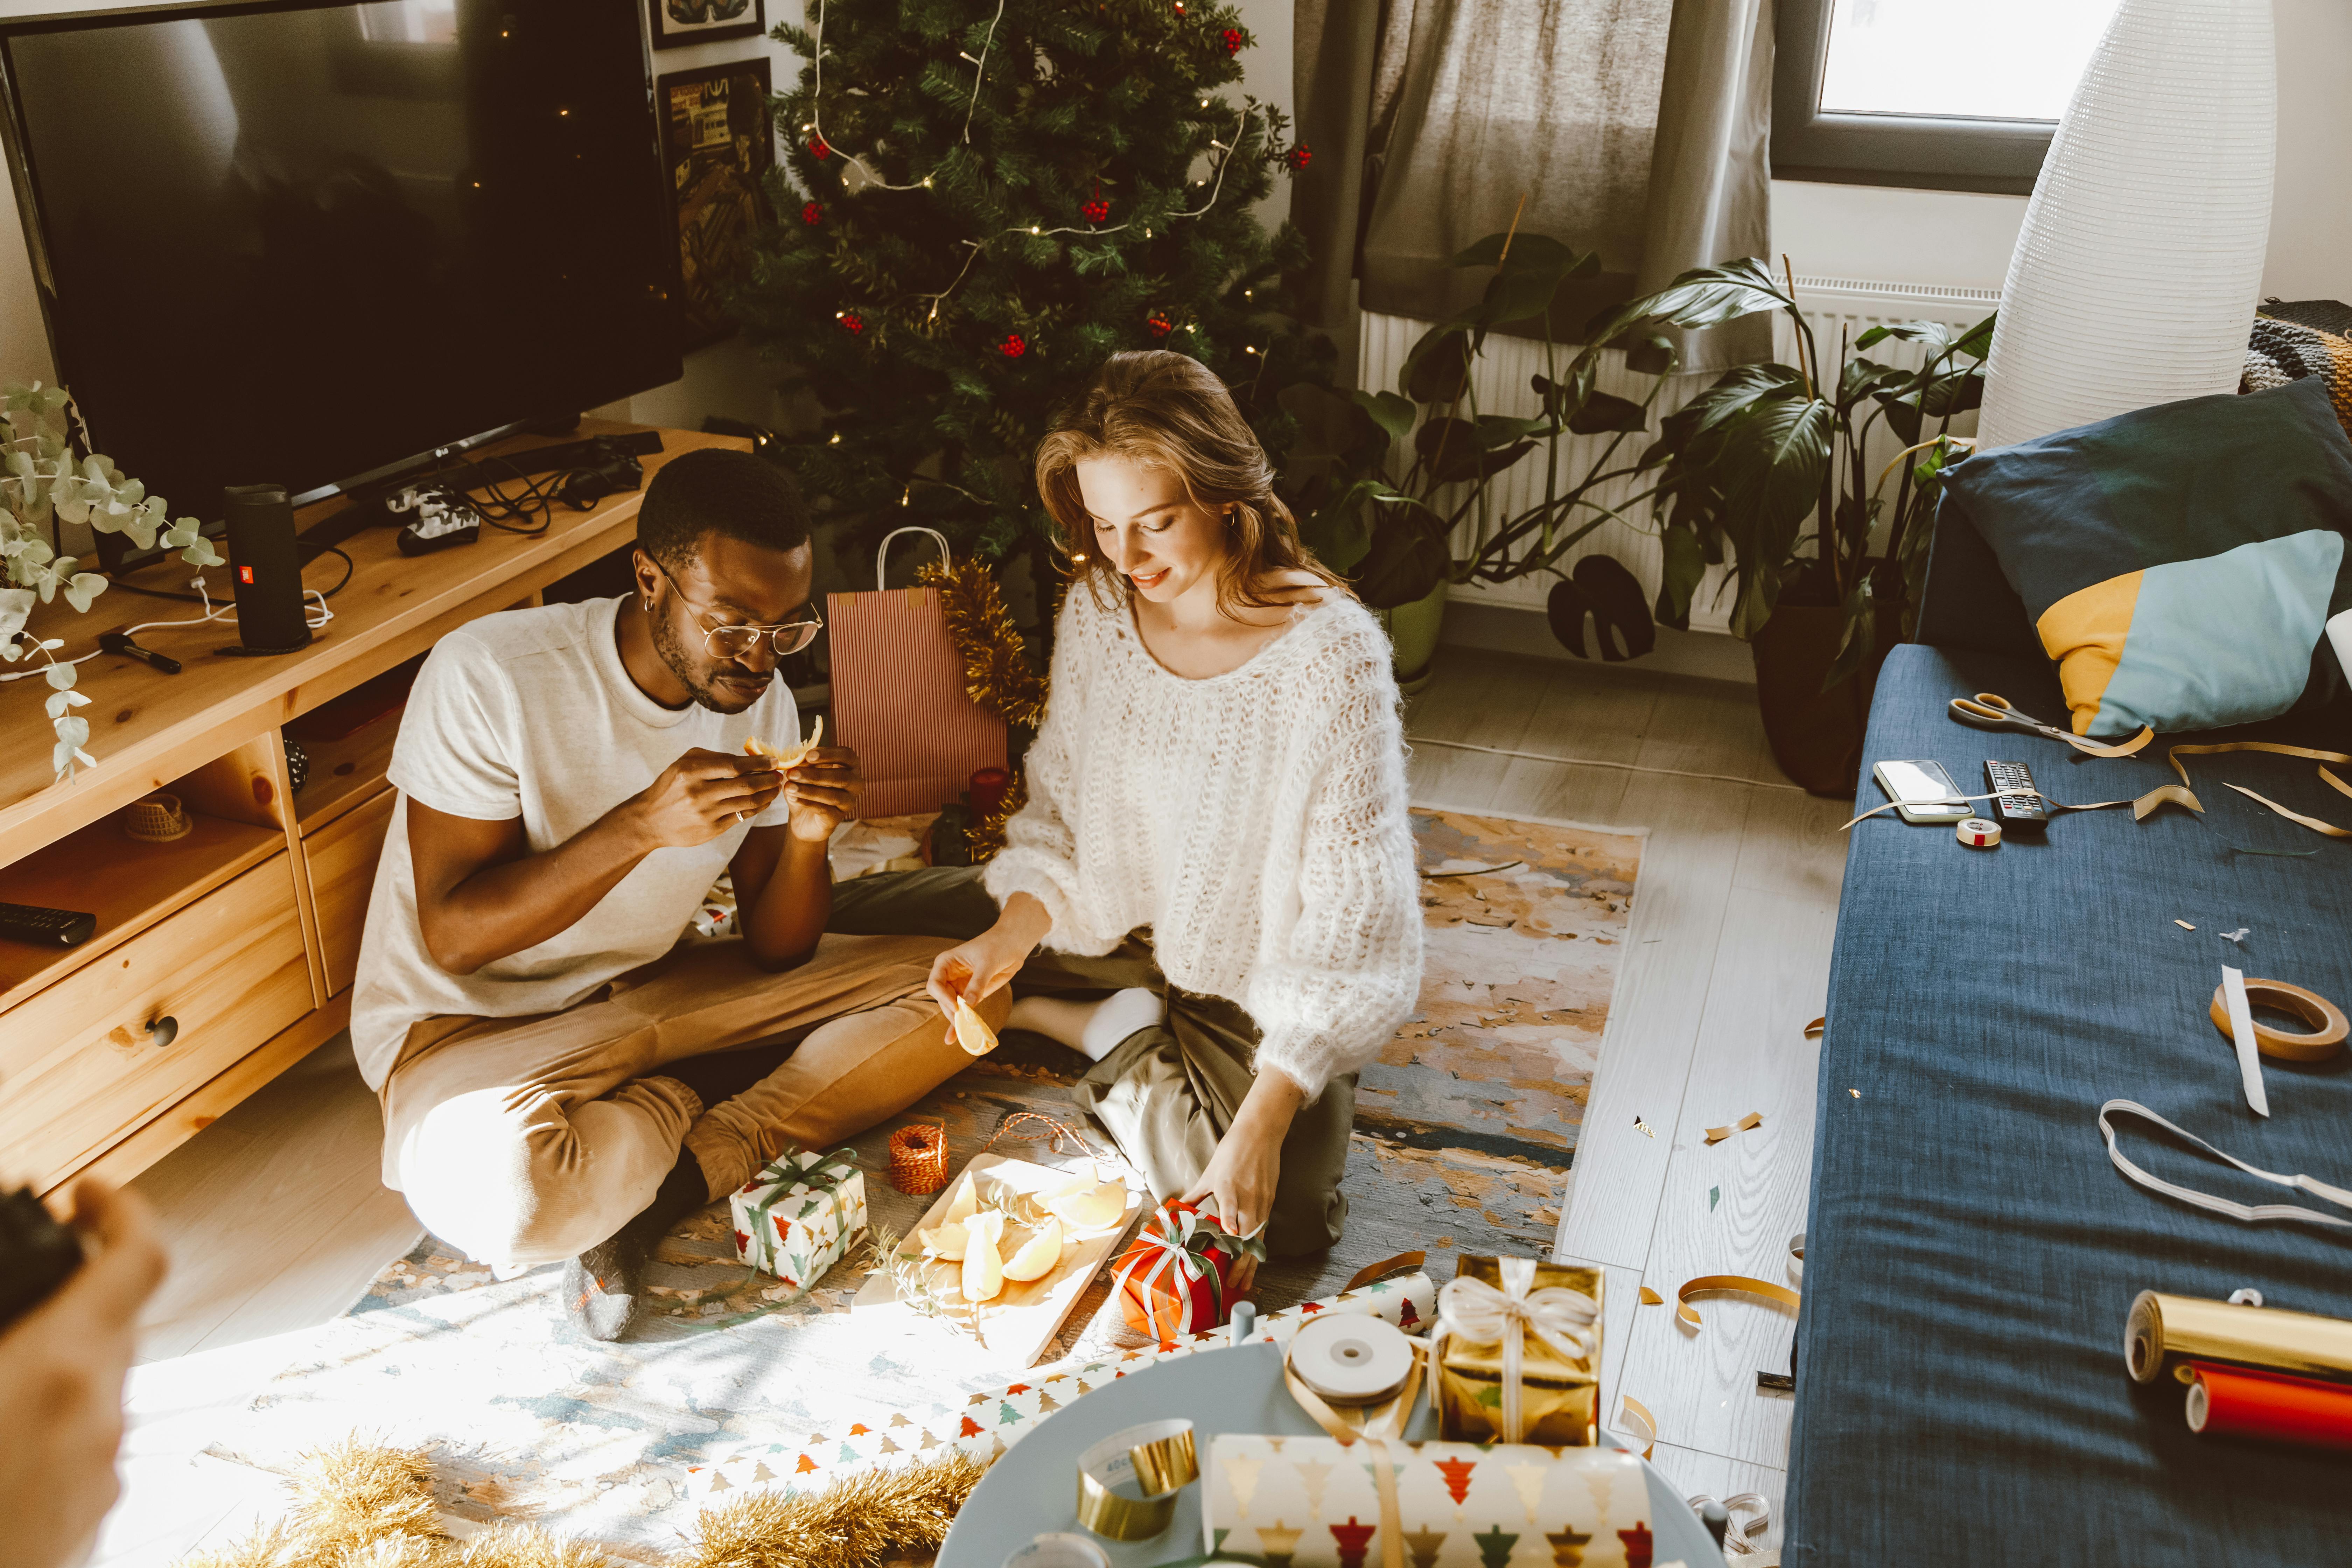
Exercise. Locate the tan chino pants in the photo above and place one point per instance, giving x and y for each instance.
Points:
(530, 1139)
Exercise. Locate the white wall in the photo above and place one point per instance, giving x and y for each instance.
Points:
(1937, 237)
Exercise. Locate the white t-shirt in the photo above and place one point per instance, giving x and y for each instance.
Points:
(529, 713)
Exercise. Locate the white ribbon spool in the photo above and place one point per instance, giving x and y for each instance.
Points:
(1472, 1309)
(1352, 1359)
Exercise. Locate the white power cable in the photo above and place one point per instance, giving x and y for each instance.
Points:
(212, 612)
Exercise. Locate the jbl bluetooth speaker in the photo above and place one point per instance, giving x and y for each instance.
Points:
(266, 568)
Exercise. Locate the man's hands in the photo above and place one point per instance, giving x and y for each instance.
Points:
(61, 1369)
(824, 790)
(1239, 1181)
(701, 796)
(982, 965)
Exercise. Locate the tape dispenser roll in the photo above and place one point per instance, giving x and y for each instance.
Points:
(1157, 1458)
(2328, 1024)
(1351, 1360)
(1977, 833)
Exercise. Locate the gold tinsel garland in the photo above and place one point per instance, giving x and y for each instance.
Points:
(358, 1505)
(997, 675)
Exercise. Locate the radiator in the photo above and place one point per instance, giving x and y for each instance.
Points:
(1839, 310)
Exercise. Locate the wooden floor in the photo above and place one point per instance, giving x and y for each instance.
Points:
(276, 1219)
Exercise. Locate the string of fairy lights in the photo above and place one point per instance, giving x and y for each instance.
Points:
(823, 146)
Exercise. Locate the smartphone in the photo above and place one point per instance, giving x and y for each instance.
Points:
(1925, 783)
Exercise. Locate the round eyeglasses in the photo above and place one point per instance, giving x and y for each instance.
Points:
(736, 642)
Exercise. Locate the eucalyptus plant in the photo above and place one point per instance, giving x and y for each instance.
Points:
(43, 484)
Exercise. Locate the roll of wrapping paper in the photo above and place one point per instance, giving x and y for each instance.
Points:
(2239, 1402)
(2166, 1332)
(918, 1160)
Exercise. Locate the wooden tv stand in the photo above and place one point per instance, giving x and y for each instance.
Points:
(244, 933)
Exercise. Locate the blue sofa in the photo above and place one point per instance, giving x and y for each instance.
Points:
(1971, 1253)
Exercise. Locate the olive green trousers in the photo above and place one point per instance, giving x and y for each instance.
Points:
(1166, 1094)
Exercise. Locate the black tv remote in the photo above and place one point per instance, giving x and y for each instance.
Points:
(50, 928)
(2028, 813)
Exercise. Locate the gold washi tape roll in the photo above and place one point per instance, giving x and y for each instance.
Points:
(1157, 1458)
(1977, 833)
(2167, 1330)
(2327, 1021)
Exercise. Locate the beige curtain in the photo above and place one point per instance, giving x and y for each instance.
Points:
(1635, 128)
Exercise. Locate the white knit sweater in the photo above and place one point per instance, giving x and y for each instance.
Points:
(1254, 820)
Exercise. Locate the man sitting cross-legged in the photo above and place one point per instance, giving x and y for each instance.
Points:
(559, 1072)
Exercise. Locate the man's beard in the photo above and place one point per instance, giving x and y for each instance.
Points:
(698, 684)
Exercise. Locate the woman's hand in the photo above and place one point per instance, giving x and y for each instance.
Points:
(989, 961)
(1241, 1176)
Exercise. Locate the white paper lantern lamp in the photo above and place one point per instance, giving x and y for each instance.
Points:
(2137, 274)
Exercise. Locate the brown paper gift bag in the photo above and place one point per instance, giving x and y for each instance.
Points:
(898, 698)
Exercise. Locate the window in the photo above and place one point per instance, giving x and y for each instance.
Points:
(1945, 94)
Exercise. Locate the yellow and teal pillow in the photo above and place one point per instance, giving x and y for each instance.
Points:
(2180, 562)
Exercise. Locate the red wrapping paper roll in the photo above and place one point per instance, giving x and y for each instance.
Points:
(2239, 1401)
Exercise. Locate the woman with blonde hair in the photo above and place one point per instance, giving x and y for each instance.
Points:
(1217, 797)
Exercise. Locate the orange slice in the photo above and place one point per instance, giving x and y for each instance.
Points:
(1037, 1256)
(756, 747)
(972, 1032)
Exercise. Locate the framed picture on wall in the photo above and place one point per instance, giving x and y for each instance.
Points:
(716, 140)
(679, 22)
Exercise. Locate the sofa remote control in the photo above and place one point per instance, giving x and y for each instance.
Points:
(2028, 813)
(50, 928)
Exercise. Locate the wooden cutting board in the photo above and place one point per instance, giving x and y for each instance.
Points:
(1023, 1319)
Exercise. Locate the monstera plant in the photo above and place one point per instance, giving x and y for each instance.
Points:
(51, 478)
(1391, 518)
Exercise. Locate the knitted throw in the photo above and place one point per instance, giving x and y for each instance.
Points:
(1256, 821)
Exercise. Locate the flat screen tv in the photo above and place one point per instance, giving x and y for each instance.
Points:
(309, 244)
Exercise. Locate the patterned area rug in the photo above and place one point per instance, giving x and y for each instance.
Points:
(1466, 1127)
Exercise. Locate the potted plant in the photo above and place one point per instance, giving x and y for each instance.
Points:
(1767, 467)
(1384, 480)
(42, 486)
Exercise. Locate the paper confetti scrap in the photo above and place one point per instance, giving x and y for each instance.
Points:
(1856, 1092)
(1651, 1298)
(1714, 1196)
(2238, 936)
(1643, 1128)
(2184, 925)
(1718, 1134)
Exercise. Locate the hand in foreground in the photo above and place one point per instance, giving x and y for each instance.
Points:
(61, 1371)
(1238, 1183)
(824, 790)
(702, 795)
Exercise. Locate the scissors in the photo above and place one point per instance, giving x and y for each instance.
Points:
(1991, 711)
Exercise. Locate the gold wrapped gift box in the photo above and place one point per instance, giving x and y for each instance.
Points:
(1560, 1398)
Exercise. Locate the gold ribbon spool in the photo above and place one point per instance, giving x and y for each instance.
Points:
(2325, 1018)
(1159, 1456)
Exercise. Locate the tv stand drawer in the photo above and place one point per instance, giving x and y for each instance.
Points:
(88, 1060)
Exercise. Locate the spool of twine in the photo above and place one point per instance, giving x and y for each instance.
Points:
(158, 818)
(919, 1158)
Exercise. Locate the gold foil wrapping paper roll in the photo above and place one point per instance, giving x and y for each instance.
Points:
(2165, 1330)
(1560, 1399)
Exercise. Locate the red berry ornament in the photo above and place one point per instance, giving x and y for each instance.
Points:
(1299, 155)
(852, 322)
(1013, 347)
(1160, 325)
(1234, 40)
(817, 148)
(1096, 210)
(812, 214)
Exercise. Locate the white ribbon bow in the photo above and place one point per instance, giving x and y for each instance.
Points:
(1472, 1309)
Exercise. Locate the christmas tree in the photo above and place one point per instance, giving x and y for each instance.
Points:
(993, 197)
